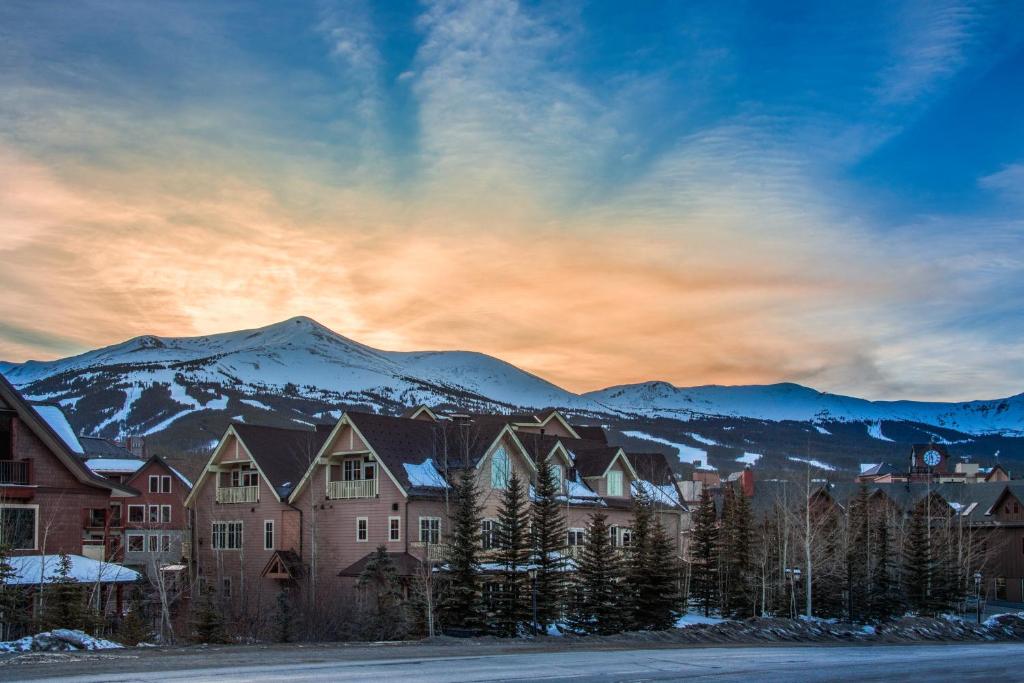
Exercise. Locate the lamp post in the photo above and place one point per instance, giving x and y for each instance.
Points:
(533, 590)
(977, 593)
(793, 575)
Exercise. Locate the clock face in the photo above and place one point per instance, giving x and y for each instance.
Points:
(932, 458)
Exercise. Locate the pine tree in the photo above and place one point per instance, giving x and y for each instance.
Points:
(513, 608)
(548, 541)
(884, 600)
(462, 605)
(661, 606)
(11, 617)
(207, 619)
(917, 562)
(135, 628)
(284, 618)
(858, 557)
(597, 607)
(636, 595)
(380, 585)
(704, 554)
(738, 533)
(65, 599)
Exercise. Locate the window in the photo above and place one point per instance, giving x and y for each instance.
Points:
(227, 535)
(136, 543)
(615, 483)
(137, 513)
(115, 514)
(430, 530)
(268, 534)
(351, 470)
(556, 476)
(362, 529)
(613, 536)
(499, 469)
(369, 470)
(577, 537)
(394, 528)
(18, 526)
(165, 483)
(1000, 588)
(165, 543)
(225, 587)
(626, 537)
(154, 483)
(165, 514)
(154, 543)
(154, 514)
(488, 534)
(244, 477)
(492, 595)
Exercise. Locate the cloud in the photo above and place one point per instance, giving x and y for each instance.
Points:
(1008, 182)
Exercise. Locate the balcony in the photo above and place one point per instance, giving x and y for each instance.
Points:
(357, 488)
(16, 472)
(238, 494)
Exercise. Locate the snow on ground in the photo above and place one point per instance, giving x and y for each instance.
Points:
(749, 458)
(814, 463)
(687, 454)
(255, 404)
(238, 418)
(822, 430)
(160, 426)
(693, 618)
(54, 417)
(105, 465)
(59, 639)
(703, 439)
(425, 474)
(875, 431)
(29, 569)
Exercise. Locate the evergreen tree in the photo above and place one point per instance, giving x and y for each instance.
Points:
(65, 599)
(738, 534)
(658, 600)
(704, 554)
(513, 609)
(284, 618)
(858, 557)
(635, 592)
(207, 619)
(917, 562)
(461, 605)
(597, 607)
(885, 600)
(12, 618)
(548, 541)
(135, 627)
(380, 586)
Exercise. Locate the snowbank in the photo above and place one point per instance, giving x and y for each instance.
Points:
(29, 569)
(58, 640)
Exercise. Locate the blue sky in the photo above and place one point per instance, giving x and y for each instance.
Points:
(828, 193)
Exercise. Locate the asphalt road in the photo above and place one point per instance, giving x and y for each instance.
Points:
(947, 662)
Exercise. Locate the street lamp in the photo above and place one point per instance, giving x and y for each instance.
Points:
(793, 574)
(977, 593)
(533, 588)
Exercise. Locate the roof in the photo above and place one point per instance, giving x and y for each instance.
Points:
(157, 459)
(96, 447)
(282, 454)
(405, 565)
(400, 441)
(28, 569)
(55, 441)
(875, 469)
(58, 422)
(114, 465)
(652, 467)
(591, 432)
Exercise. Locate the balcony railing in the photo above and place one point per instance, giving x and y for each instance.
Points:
(359, 488)
(238, 494)
(435, 552)
(16, 472)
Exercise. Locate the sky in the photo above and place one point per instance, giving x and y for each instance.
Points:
(598, 192)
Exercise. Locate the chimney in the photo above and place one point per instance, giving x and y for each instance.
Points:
(747, 482)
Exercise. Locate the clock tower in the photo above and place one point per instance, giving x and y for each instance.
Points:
(928, 459)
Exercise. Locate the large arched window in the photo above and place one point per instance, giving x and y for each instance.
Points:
(499, 469)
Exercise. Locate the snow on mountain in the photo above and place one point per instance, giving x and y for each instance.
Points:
(776, 402)
(300, 371)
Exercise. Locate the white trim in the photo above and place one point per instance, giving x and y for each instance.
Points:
(168, 478)
(608, 484)
(419, 529)
(128, 541)
(565, 423)
(169, 513)
(273, 534)
(398, 527)
(35, 521)
(629, 466)
(129, 520)
(227, 533)
(151, 478)
(365, 528)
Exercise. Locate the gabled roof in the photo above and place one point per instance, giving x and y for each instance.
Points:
(282, 454)
(652, 467)
(157, 459)
(591, 433)
(55, 442)
(97, 447)
(405, 565)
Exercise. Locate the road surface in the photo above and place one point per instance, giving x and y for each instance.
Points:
(945, 662)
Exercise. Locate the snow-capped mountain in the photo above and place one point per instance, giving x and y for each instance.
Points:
(777, 402)
(184, 392)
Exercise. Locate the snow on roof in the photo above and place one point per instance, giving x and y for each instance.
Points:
(102, 465)
(54, 417)
(665, 494)
(29, 569)
(185, 479)
(425, 474)
(865, 466)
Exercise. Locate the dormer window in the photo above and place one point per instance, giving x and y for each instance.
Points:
(615, 483)
(500, 469)
(556, 476)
